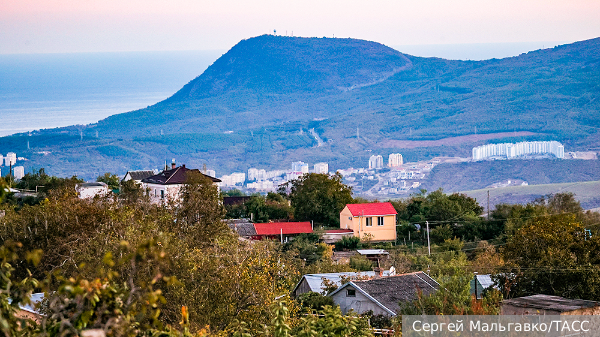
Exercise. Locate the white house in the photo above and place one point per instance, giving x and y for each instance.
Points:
(167, 185)
(90, 190)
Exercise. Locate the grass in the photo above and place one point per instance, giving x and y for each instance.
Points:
(585, 192)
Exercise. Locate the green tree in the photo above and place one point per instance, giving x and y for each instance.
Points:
(552, 255)
(200, 211)
(319, 197)
(112, 180)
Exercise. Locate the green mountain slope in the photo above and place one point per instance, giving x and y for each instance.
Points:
(256, 104)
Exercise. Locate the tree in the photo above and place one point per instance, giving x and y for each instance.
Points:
(552, 255)
(319, 197)
(131, 192)
(112, 180)
(200, 212)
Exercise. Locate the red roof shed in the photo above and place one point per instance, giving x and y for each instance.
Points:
(277, 228)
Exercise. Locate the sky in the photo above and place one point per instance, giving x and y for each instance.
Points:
(66, 26)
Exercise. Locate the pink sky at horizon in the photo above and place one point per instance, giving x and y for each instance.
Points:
(62, 26)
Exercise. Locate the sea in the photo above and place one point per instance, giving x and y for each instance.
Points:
(44, 91)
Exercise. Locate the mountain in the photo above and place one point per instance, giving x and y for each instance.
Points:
(271, 100)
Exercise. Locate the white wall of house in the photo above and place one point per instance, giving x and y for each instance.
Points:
(163, 193)
(359, 302)
(90, 192)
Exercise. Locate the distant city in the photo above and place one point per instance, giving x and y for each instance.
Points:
(376, 180)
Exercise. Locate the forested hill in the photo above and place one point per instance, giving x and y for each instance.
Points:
(256, 105)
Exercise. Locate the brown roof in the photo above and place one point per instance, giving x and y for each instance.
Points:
(174, 176)
(548, 302)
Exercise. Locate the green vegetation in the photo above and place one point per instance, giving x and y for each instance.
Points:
(319, 197)
(133, 268)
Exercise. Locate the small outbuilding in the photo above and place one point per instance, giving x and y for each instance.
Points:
(317, 282)
(548, 305)
(282, 231)
(383, 295)
(90, 190)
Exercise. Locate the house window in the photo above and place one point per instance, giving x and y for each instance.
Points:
(379, 221)
(350, 292)
(369, 222)
(162, 194)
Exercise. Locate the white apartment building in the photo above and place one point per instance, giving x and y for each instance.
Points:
(252, 174)
(233, 179)
(10, 159)
(395, 160)
(510, 150)
(18, 172)
(300, 166)
(321, 168)
(375, 162)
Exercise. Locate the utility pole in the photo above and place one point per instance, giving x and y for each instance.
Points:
(488, 215)
(475, 282)
(428, 242)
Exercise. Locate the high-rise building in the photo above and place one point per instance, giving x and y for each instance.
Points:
(395, 160)
(376, 162)
(321, 168)
(10, 159)
(509, 150)
(252, 174)
(18, 172)
(300, 166)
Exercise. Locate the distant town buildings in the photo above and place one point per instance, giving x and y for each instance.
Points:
(300, 166)
(18, 172)
(510, 150)
(236, 178)
(395, 160)
(375, 162)
(10, 159)
(322, 168)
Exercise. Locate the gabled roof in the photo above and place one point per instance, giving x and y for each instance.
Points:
(139, 175)
(372, 209)
(277, 228)
(548, 302)
(315, 281)
(244, 228)
(174, 176)
(388, 292)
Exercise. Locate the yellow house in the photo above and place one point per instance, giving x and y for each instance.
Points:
(377, 219)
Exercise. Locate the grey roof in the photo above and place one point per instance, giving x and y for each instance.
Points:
(243, 227)
(92, 184)
(548, 302)
(388, 292)
(315, 281)
(139, 175)
(483, 282)
(372, 252)
(35, 299)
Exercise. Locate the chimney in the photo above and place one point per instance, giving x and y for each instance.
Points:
(173, 164)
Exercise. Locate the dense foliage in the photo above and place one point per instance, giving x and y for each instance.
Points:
(130, 267)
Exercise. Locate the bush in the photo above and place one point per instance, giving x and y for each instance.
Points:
(314, 300)
(348, 243)
(361, 263)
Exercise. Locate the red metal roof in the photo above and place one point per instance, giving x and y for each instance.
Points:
(372, 209)
(275, 228)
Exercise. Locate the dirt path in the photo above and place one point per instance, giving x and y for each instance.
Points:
(409, 144)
